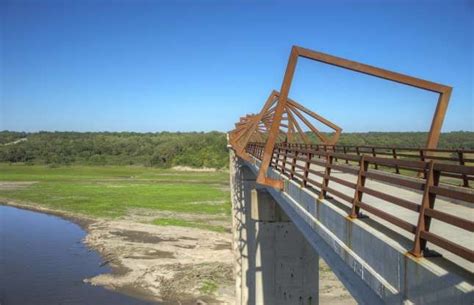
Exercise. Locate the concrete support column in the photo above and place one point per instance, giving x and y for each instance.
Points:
(286, 267)
(242, 181)
(274, 264)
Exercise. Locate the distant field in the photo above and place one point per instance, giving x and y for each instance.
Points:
(112, 191)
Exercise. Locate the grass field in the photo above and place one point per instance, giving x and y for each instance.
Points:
(110, 192)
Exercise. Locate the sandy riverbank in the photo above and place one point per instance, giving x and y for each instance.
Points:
(174, 265)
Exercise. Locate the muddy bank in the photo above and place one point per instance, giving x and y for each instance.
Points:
(172, 265)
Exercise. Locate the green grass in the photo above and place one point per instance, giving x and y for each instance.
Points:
(208, 287)
(113, 191)
(188, 223)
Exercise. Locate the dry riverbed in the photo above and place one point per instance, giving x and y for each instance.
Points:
(170, 264)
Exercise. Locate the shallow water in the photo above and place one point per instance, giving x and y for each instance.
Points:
(43, 261)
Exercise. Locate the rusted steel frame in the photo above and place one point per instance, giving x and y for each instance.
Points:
(294, 105)
(302, 135)
(444, 91)
(428, 200)
(285, 88)
(363, 168)
(313, 129)
(253, 125)
(290, 131)
(314, 115)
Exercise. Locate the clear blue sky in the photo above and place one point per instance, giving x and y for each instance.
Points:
(200, 65)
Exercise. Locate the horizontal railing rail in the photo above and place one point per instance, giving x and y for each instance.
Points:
(452, 156)
(300, 162)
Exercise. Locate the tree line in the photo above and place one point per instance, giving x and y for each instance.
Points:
(167, 149)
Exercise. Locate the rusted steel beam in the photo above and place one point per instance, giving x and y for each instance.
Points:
(296, 52)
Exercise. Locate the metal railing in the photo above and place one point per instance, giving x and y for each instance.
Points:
(297, 162)
(449, 156)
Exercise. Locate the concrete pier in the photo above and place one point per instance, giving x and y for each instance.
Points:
(274, 263)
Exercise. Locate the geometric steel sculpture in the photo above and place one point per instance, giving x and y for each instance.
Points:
(283, 103)
(256, 128)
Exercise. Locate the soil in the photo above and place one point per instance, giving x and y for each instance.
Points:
(168, 264)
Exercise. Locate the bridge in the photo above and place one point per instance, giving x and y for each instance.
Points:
(394, 224)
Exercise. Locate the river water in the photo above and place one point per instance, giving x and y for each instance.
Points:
(43, 261)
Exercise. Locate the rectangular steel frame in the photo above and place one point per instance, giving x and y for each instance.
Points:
(436, 124)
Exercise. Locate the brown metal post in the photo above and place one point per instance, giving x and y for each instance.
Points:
(277, 160)
(375, 155)
(345, 152)
(394, 153)
(327, 174)
(465, 181)
(306, 169)
(363, 168)
(285, 154)
(428, 200)
(293, 164)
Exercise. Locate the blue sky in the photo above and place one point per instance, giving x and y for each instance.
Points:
(150, 66)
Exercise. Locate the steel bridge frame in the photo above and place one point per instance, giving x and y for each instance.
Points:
(283, 100)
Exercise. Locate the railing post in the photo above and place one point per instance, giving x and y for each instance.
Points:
(394, 153)
(363, 168)
(283, 168)
(422, 158)
(293, 164)
(327, 174)
(428, 200)
(465, 181)
(275, 152)
(345, 152)
(374, 155)
(306, 168)
(277, 157)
